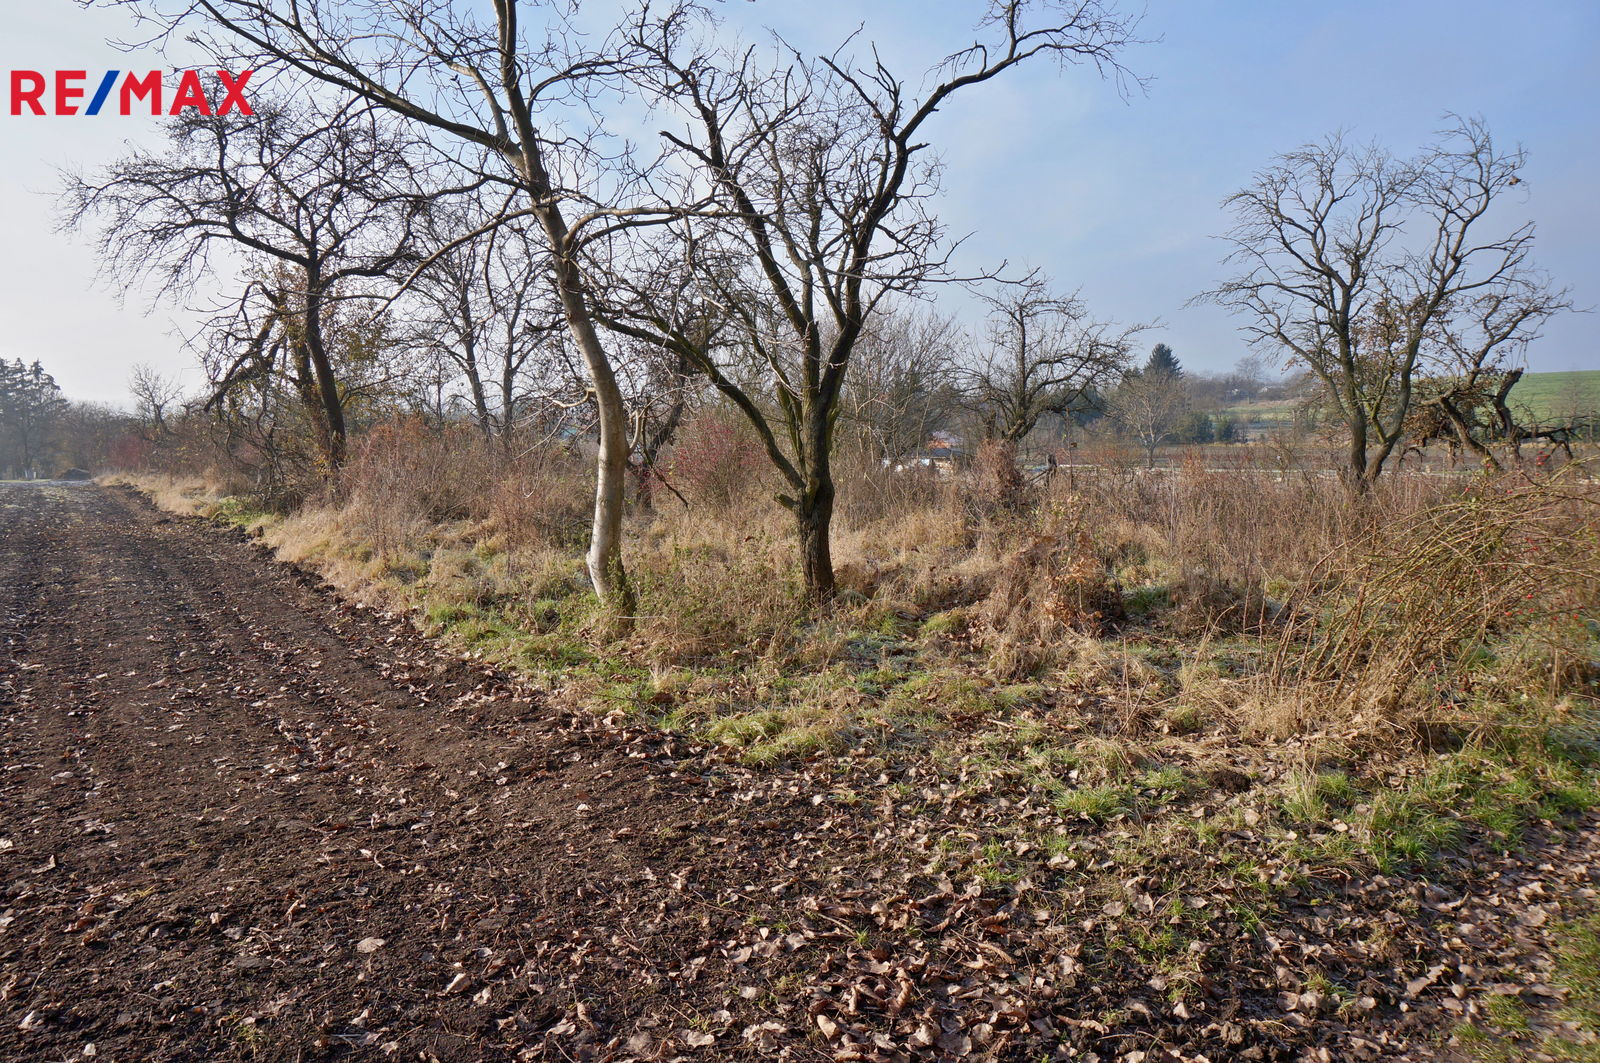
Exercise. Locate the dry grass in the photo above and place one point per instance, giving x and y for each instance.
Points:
(190, 496)
(1127, 645)
(1226, 608)
(1430, 625)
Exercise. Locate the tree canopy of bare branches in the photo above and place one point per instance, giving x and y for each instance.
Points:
(791, 194)
(1042, 354)
(310, 205)
(517, 98)
(901, 387)
(153, 395)
(1148, 405)
(1374, 272)
(820, 180)
(485, 306)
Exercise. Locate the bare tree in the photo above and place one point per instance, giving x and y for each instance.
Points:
(153, 394)
(312, 203)
(1042, 354)
(1148, 406)
(1249, 377)
(484, 305)
(263, 420)
(901, 389)
(518, 99)
(1367, 269)
(660, 386)
(821, 180)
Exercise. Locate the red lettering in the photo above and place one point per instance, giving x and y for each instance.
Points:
(27, 86)
(67, 90)
(235, 92)
(146, 88)
(190, 94)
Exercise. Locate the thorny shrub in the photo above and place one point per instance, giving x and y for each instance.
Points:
(403, 475)
(1440, 625)
(715, 461)
(543, 500)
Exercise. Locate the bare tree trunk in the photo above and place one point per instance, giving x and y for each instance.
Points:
(605, 545)
(814, 519)
(1376, 462)
(652, 442)
(604, 558)
(509, 364)
(1502, 411)
(1463, 437)
(307, 387)
(1356, 473)
(327, 388)
(469, 366)
(813, 510)
(508, 405)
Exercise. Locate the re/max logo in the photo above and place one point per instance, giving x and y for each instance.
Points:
(32, 92)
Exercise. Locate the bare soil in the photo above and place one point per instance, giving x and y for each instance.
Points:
(243, 820)
(219, 782)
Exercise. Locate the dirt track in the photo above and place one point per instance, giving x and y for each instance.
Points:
(243, 820)
(240, 820)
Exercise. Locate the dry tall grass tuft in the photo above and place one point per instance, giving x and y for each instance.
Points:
(1429, 627)
(1054, 585)
(995, 483)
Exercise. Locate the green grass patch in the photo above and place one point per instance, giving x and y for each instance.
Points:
(1094, 802)
(1514, 1030)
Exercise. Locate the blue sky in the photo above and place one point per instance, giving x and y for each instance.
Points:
(1118, 197)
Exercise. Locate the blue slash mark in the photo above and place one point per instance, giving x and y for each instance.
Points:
(102, 92)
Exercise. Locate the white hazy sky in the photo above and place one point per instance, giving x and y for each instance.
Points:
(1118, 197)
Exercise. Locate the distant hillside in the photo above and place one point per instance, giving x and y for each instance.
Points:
(1549, 396)
(1269, 413)
(1538, 397)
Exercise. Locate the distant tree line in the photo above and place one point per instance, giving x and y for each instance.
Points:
(43, 433)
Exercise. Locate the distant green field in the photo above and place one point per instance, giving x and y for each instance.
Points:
(1549, 396)
(1274, 412)
(1537, 397)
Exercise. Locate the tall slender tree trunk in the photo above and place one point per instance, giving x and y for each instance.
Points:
(509, 364)
(604, 559)
(508, 403)
(469, 363)
(605, 544)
